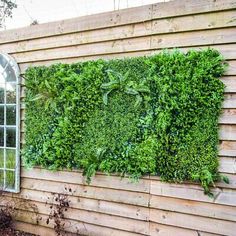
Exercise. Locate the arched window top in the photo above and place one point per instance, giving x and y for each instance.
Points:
(9, 124)
(9, 70)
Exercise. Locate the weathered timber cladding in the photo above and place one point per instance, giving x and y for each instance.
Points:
(111, 206)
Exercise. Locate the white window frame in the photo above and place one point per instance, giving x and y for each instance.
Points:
(16, 69)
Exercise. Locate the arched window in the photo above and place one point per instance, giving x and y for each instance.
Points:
(9, 124)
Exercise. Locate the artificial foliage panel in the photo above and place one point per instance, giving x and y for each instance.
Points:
(146, 115)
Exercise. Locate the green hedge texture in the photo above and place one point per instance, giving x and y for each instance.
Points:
(146, 115)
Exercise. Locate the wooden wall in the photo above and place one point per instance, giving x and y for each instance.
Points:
(110, 206)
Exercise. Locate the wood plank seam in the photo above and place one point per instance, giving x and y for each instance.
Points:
(192, 11)
(122, 36)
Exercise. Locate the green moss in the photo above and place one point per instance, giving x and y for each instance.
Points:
(137, 116)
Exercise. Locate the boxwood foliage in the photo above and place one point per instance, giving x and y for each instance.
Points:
(146, 115)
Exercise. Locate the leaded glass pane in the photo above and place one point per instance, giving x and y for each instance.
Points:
(11, 115)
(10, 93)
(10, 73)
(1, 115)
(2, 93)
(1, 136)
(10, 179)
(10, 137)
(10, 158)
(1, 179)
(3, 61)
(1, 157)
(9, 130)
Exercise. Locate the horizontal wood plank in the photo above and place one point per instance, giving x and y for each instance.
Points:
(193, 222)
(122, 17)
(218, 185)
(73, 226)
(193, 192)
(227, 50)
(78, 201)
(229, 100)
(210, 210)
(198, 38)
(211, 20)
(185, 191)
(228, 165)
(114, 195)
(76, 178)
(227, 148)
(157, 229)
(228, 132)
(228, 116)
(30, 228)
(110, 206)
(78, 24)
(230, 83)
(95, 218)
(232, 68)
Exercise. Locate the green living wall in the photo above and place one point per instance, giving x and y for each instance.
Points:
(146, 115)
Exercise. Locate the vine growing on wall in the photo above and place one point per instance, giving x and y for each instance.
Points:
(146, 115)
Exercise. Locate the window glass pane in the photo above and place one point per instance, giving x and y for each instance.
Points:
(1, 157)
(1, 137)
(1, 115)
(2, 89)
(10, 179)
(3, 61)
(9, 98)
(11, 115)
(10, 158)
(10, 74)
(11, 93)
(1, 179)
(10, 137)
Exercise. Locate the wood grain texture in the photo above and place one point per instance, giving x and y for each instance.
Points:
(210, 210)
(114, 195)
(71, 226)
(157, 229)
(228, 50)
(111, 206)
(34, 228)
(228, 165)
(95, 218)
(183, 39)
(80, 201)
(160, 26)
(193, 192)
(77, 178)
(198, 223)
(118, 18)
